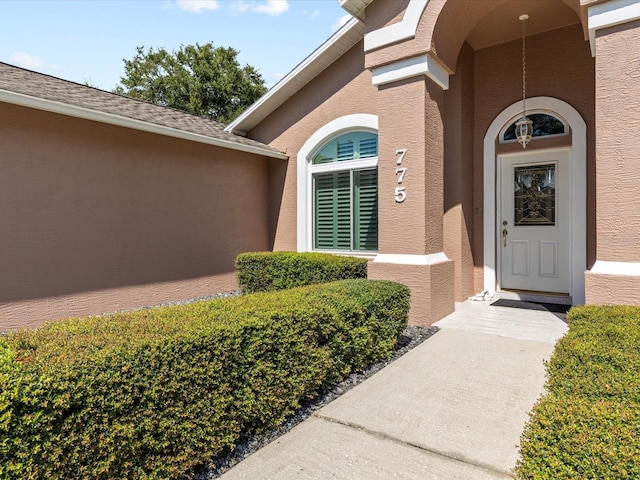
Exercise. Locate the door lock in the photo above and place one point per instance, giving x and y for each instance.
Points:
(504, 237)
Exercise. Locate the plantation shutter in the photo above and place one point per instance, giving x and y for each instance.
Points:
(365, 210)
(345, 194)
(333, 211)
(368, 146)
(345, 149)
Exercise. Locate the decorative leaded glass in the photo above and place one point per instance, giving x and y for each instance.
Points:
(535, 195)
(543, 125)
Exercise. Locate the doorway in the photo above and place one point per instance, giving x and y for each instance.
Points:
(577, 201)
(533, 221)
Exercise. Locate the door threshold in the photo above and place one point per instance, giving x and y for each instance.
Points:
(534, 296)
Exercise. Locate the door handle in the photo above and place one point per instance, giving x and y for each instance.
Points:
(504, 237)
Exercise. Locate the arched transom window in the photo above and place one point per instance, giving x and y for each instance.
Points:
(344, 174)
(544, 125)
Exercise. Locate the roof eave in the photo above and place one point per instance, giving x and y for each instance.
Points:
(338, 44)
(355, 7)
(20, 99)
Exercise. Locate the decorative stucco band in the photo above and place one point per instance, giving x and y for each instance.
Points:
(411, 67)
(403, 30)
(408, 259)
(610, 14)
(603, 267)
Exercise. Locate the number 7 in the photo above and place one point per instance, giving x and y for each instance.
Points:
(401, 152)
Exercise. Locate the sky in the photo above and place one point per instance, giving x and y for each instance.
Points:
(85, 41)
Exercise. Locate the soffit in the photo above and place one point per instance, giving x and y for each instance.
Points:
(355, 7)
(502, 24)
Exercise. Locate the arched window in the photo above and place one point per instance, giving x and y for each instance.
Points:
(344, 174)
(543, 125)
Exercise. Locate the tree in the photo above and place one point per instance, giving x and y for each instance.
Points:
(201, 79)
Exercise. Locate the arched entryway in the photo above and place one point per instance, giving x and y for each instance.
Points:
(461, 72)
(566, 241)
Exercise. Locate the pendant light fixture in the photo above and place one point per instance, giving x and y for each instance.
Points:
(524, 126)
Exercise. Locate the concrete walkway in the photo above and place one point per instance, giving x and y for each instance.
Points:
(452, 408)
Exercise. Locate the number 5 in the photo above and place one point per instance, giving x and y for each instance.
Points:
(400, 194)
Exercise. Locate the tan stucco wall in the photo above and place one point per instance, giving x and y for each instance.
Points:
(566, 73)
(459, 173)
(618, 144)
(444, 133)
(382, 14)
(617, 170)
(410, 119)
(344, 88)
(97, 218)
(432, 297)
(603, 289)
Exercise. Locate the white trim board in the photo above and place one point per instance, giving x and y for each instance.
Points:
(126, 122)
(304, 207)
(411, 67)
(578, 159)
(396, 32)
(610, 14)
(410, 259)
(628, 269)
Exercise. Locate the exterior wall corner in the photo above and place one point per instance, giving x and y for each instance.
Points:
(432, 297)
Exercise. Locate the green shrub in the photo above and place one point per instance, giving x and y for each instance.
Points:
(152, 393)
(268, 271)
(588, 426)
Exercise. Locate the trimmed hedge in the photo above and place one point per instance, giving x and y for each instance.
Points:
(269, 271)
(588, 425)
(152, 393)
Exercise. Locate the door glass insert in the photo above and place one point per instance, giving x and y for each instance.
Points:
(535, 195)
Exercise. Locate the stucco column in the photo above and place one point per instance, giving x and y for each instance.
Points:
(615, 277)
(410, 204)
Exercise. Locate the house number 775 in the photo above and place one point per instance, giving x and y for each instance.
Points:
(400, 192)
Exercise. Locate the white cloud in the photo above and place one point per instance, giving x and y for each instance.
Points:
(31, 62)
(311, 15)
(241, 6)
(197, 5)
(341, 21)
(273, 7)
(26, 60)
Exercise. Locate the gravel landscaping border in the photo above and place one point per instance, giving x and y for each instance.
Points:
(409, 339)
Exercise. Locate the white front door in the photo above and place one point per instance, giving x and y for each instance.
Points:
(533, 221)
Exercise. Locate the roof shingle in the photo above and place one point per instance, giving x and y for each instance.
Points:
(37, 85)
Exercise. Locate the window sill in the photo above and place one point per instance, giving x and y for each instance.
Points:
(369, 255)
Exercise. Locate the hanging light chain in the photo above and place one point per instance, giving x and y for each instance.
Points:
(524, 64)
(524, 126)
